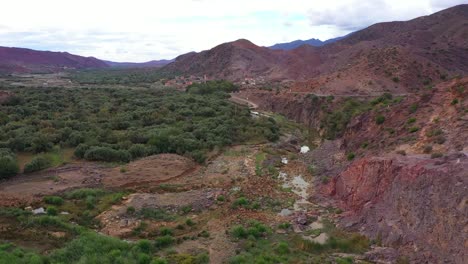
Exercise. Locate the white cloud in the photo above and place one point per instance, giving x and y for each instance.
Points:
(142, 30)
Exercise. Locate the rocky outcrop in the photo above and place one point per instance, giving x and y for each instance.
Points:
(415, 204)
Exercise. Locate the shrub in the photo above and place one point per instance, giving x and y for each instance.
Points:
(166, 231)
(241, 202)
(379, 119)
(411, 120)
(427, 149)
(436, 155)
(8, 164)
(285, 225)
(351, 156)
(454, 101)
(144, 246)
(51, 210)
(413, 108)
(396, 79)
(107, 154)
(164, 241)
(365, 144)
(130, 210)
(84, 192)
(324, 179)
(282, 248)
(55, 200)
(37, 163)
(80, 150)
(138, 151)
(189, 222)
(413, 129)
(253, 229)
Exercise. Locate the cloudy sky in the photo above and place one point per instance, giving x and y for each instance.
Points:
(142, 30)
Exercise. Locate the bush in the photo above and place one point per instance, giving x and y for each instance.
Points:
(413, 129)
(436, 155)
(379, 119)
(8, 164)
(51, 210)
(413, 108)
(282, 248)
(80, 150)
(411, 120)
(37, 163)
(55, 200)
(351, 156)
(164, 241)
(427, 149)
(241, 202)
(138, 151)
(454, 101)
(253, 229)
(107, 154)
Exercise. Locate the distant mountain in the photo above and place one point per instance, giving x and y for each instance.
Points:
(19, 60)
(297, 43)
(149, 64)
(398, 57)
(242, 59)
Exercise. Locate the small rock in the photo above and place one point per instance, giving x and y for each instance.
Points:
(285, 212)
(301, 219)
(284, 160)
(64, 213)
(39, 210)
(304, 149)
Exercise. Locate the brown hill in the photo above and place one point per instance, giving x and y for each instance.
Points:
(19, 60)
(394, 57)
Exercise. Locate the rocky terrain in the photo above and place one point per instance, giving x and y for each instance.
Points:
(370, 162)
(406, 184)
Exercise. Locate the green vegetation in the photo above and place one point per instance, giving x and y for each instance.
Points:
(37, 163)
(253, 229)
(379, 119)
(8, 164)
(411, 120)
(351, 156)
(335, 122)
(121, 76)
(211, 87)
(54, 200)
(413, 129)
(119, 125)
(413, 108)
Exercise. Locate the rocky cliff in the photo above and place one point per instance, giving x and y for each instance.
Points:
(416, 204)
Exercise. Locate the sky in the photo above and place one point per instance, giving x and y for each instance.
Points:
(143, 30)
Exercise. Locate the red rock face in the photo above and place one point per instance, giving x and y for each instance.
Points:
(416, 204)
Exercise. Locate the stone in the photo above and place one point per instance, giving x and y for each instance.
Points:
(39, 210)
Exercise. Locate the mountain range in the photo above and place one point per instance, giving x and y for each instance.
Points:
(386, 57)
(297, 43)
